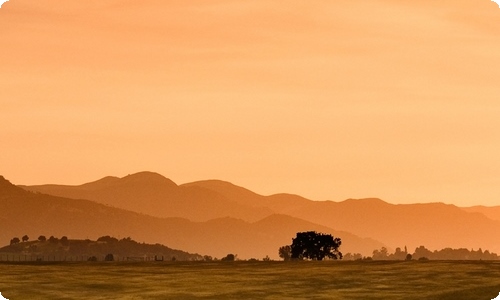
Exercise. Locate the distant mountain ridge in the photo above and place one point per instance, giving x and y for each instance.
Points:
(33, 213)
(152, 194)
(434, 225)
(492, 212)
(8, 189)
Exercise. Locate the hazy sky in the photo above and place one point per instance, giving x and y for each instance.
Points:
(328, 99)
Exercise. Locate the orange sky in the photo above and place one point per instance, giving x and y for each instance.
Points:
(342, 99)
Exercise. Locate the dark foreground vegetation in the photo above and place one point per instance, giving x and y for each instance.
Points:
(105, 248)
(422, 253)
(437, 280)
(311, 245)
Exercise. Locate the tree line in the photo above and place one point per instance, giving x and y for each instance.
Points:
(422, 253)
(311, 245)
(63, 240)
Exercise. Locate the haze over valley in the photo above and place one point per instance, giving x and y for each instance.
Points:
(215, 217)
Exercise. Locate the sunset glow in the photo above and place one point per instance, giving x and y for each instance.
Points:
(341, 99)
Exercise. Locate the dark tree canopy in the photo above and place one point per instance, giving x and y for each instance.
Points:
(64, 241)
(109, 257)
(42, 238)
(315, 246)
(285, 252)
(107, 239)
(229, 257)
(25, 238)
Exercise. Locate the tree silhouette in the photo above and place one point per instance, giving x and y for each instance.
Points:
(352, 256)
(285, 253)
(229, 257)
(64, 241)
(107, 239)
(42, 238)
(422, 252)
(14, 241)
(398, 254)
(381, 254)
(315, 246)
(25, 238)
(109, 257)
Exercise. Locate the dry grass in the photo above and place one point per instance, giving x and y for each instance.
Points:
(252, 280)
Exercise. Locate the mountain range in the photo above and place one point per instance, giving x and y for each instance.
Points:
(216, 217)
(34, 213)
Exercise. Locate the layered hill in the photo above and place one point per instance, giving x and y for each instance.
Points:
(492, 212)
(24, 212)
(434, 225)
(152, 194)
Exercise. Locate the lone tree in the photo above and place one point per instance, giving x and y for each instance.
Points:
(25, 238)
(42, 238)
(315, 246)
(229, 257)
(285, 252)
(15, 240)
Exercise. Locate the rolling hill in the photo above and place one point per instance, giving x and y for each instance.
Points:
(72, 250)
(492, 212)
(434, 225)
(152, 194)
(34, 214)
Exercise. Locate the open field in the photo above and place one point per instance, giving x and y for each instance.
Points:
(251, 280)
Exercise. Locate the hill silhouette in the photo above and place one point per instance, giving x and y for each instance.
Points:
(35, 213)
(152, 194)
(73, 249)
(492, 212)
(435, 225)
(8, 189)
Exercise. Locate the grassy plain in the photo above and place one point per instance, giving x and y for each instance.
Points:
(251, 280)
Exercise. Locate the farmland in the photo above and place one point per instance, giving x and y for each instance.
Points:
(251, 280)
